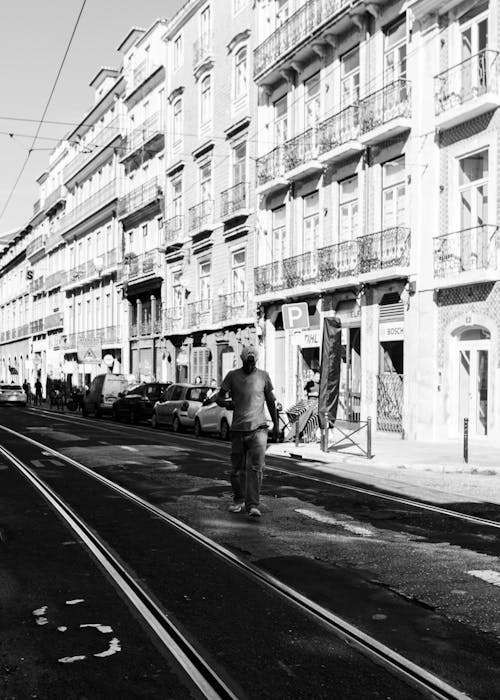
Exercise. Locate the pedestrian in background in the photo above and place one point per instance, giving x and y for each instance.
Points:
(197, 379)
(38, 392)
(250, 389)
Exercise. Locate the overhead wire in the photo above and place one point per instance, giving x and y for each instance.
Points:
(41, 121)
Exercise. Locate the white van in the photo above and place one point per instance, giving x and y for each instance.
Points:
(103, 392)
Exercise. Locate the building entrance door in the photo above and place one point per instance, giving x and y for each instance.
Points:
(473, 373)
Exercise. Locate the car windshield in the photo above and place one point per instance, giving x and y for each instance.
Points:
(134, 389)
(10, 387)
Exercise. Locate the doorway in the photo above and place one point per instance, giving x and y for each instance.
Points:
(473, 380)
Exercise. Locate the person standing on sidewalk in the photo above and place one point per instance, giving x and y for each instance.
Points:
(250, 389)
(38, 392)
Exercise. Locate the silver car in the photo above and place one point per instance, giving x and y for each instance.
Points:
(13, 393)
(178, 405)
(212, 418)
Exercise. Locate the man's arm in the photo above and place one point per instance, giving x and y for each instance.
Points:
(271, 407)
(221, 397)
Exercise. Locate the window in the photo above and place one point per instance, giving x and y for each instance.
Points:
(395, 51)
(240, 74)
(239, 163)
(205, 271)
(394, 193)
(312, 101)
(238, 276)
(310, 229)
(177, 51)
(205, 25)
(473, 42)
(280, 121)
(282, 11)
(279, 233)
(349, 72)
(145, 236)
(473, 190)
(177, 123)
(177, 290)
(176, 189)
(348, 209)
(206, 100)
(206, 182)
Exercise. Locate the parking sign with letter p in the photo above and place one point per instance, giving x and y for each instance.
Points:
(295, 316)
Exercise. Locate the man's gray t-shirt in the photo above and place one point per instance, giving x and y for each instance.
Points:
(248, 393)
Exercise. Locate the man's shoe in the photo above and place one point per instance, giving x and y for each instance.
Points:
(236, 507)
(254, 512)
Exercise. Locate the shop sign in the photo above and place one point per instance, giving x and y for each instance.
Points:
(307, 339)
(295, 316)
(89, 351)
(391, 331)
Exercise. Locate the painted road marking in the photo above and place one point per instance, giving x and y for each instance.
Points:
(130, 449)
(328, 520)
(37, 463)
(487, 575)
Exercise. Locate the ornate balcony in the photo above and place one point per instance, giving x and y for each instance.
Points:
(201, 217)
(233, 308)
(58, 196)
(36, 326)
(56, 279)
(147, 265)
(467, 89)
(199, 314)
(385, 113)
(173, 320)
(36, 249)
(300, 155)
(270, 171)
(150, 133)
(91, 206)
(467, 256)
(289, 273)
(337, 136)
(235, 201)
(89, 150)
(140, 74)
(340, 260)
(307, 21)
(174, 231)
(384, 254)
(148, 193)
(55, 320)
(87, 271)
(108, 335)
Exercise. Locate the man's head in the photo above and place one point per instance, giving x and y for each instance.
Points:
(249, 357)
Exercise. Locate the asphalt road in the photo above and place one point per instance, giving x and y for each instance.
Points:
(400, 574)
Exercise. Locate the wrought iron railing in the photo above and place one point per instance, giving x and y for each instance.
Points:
(58, 195)
(174, 229)
(202, 48)
(37, 326)
(107, 335)
(470, 249)
(339, 260)
(381, 106)
(150, 128)
(201, 215)
(463, 82)
(299, 150)
(270, 166)
(298, 27)
(141, 73)
(338, 129)
(287, 273)
(390, 402)
(234, 199)
(35, 246)
(56, 279)
(37, 284)
(90, 149)
(387, 248)
(37, 207)
(149, 263)
(55, 320)
(232, 307)
(91, 205)
(140, 197)
(173, 319)
(198, 313)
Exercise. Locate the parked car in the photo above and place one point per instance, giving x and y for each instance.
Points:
(13, 393)
(211, 418)
(138, 402)
(103, 392)
(178, 406)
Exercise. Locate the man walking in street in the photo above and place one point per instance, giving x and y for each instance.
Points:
(250, 389)
(38, 392)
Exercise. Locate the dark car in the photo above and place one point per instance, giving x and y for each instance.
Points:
(138, 402)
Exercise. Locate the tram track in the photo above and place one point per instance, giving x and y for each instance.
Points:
(391, 498)
(212, 686)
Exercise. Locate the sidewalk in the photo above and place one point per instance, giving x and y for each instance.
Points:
(430, 470)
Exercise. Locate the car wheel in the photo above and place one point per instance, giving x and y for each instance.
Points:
(224, 429)
(197, 427)
(176, 425)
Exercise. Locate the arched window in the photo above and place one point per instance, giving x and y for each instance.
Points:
(240, 74)
(206, 100)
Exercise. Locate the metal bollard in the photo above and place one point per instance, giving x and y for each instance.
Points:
(466, 440)
(368, 438)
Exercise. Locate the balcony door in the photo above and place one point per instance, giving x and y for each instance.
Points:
(473, 42)
(395, 52)
(348, 209)
(280, 121)
(310, 235)
(349, 71)
(473, 378)
(473, 193)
